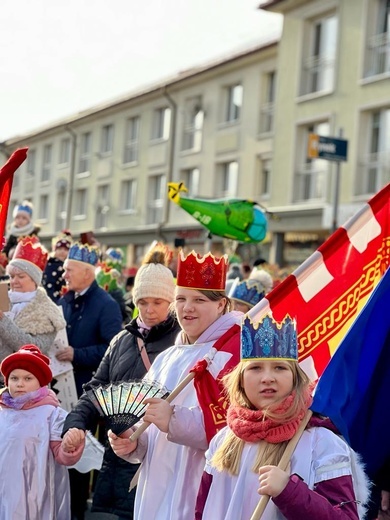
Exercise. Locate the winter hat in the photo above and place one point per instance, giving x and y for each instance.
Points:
(64, 239)
(25, 207)
(29, 358)
(153, 278)
(31, 257)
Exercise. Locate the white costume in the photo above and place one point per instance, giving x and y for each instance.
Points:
(32, 485)
(320, 455)
(174, 462)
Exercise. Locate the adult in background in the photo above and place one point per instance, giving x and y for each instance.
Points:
(33, 317)
(53, 280)
(129, 356)
(93, 318)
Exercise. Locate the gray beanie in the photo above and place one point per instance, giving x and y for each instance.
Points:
(154, 279)
(28, 267)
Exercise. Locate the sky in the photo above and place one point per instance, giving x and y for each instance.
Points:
(62, 57)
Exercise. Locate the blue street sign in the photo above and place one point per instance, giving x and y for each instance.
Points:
(329, 148)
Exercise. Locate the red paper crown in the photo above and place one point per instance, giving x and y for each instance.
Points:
(30, 249)
(202, 272)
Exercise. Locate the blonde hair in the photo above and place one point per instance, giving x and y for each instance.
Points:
(228, 455)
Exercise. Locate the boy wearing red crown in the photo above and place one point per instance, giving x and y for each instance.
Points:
(33, 317)
(173, 447)
(269, 398)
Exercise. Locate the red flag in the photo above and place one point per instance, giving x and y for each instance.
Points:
(209, 390)
(6, 178)
(328, 290)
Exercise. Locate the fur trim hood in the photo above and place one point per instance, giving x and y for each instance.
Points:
(41, 315)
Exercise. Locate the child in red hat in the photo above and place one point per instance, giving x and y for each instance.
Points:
(36, 483)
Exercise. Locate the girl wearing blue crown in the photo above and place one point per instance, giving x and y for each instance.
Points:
(269, 400)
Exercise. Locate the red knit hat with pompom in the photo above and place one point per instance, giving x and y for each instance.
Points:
(29, 358)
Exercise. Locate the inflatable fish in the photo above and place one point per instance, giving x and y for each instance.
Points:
(236, 219)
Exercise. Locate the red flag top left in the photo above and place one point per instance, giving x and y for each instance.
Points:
(6, 179)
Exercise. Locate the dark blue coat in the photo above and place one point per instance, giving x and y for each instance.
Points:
(92, 320)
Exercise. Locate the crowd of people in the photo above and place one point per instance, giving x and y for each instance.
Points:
(238, 401)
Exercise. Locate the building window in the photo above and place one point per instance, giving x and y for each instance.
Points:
(80, 204)
(44, 207)
(190, 178)
(265, 177)
(128, 194)
(103, 206)
(161, 123)
(46, 166)
(31, 163)
(268, 107)
(130, 154)
(61, 210)
(107, 139)
(312, 175)
(233, 97)
(378, 44)
(318, 72)
(227, 178)
(64, 151)
(158, 195)
(193, 124)
(85, 152)
(375, 164)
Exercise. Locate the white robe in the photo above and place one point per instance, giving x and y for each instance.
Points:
(32, 485)
(320, 455)
(171, 473)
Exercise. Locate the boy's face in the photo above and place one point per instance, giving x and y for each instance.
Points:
(61, 253)
(21, 220)
(21, 381)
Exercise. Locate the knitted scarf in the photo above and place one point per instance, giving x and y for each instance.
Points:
(22, 231)
(255, 425)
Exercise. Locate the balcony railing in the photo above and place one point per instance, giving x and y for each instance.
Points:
(267, 117)
(373, 173)
(378, 54)
(318, 74)
(310, 184)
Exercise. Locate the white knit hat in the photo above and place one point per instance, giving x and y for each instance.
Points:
(154, 279)
(28, 267)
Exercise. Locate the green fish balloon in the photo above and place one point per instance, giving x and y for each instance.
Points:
(236, 219)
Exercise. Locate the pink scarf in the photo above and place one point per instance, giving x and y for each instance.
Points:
(254, 425)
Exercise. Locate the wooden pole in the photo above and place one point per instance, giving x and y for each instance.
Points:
(284, 461)
(189, 377)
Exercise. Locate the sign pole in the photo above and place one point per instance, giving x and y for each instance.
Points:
(336, 192)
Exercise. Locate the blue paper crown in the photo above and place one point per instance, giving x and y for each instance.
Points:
(269, 339)
(249, 292)
(84, 253)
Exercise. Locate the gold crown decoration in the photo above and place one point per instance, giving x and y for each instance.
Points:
(202, 272)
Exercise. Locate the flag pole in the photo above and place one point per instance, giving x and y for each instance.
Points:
(284, 461)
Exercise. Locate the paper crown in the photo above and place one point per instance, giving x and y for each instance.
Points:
(249, 292)
(31, 250)
(64, 239)
(268, 339)
(84, 253)
(202, 272)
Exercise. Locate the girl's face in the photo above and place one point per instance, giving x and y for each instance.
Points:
(61, 253)
(20, 281)
(266, 382)
(153, 310)
(21, 220)
(21, 381)
(195, 312)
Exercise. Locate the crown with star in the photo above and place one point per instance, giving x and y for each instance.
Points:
(269, 339)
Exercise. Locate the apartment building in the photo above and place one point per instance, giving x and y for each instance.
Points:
(238, 127)
(107, 169)
(333, 79)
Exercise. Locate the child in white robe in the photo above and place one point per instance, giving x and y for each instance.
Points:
(34, 480)
(269, 397)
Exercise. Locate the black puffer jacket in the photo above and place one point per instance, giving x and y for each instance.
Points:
(121, 362)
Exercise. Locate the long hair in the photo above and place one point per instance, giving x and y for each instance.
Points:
(228, 455)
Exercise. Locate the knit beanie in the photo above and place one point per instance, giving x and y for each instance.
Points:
(154, 279)
(28, 267)
(29, 358)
